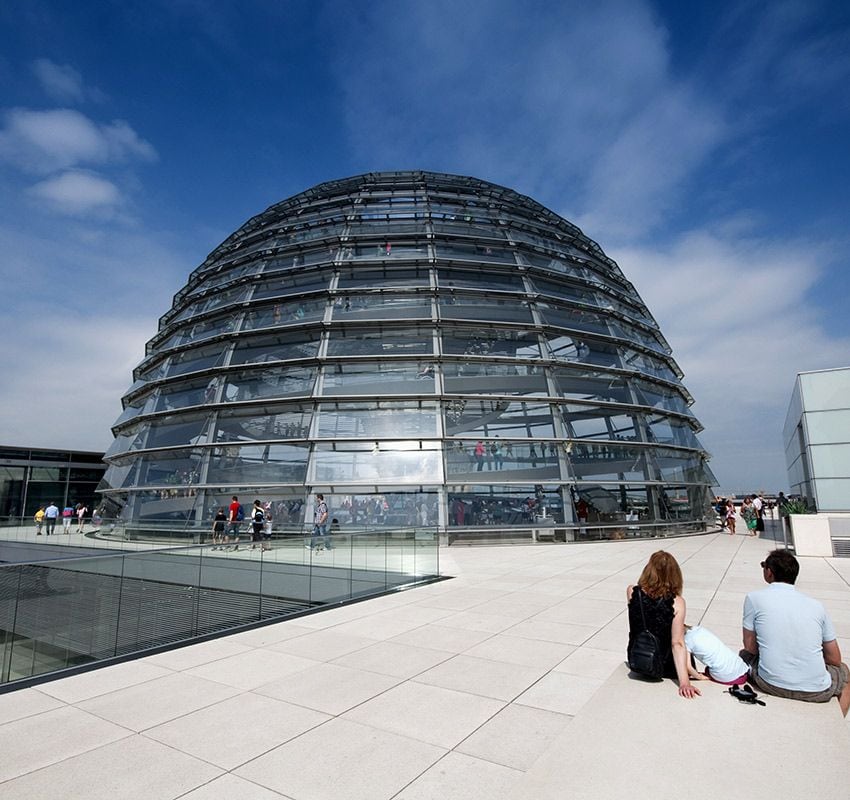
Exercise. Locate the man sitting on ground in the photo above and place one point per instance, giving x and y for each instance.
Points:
(789, 640)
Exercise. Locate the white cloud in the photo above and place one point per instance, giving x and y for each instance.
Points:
(77, 324)
(61, 81)
(580, 99)
(637, 178)
(78, 193)
(44, 141)
(66, 391)
(583, 109)
(792, 54)
(735, 310)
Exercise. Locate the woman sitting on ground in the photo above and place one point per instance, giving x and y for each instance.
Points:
(657, 599)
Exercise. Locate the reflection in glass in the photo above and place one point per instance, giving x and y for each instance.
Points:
(200, 331)
(607, 462)
(280, 347)
(498, 417)
(487, 307)
(271, 463)
(484, 252)
(490, 342)
(181, 394)
(378, 341)
(213, 300)
(480, 377)
(359, 511)
(376, 334)
(386, 377)
(599, 422)
(493, 505)
(401, 462)
(294, 312)
(264, 383)
(479, 279)
(384, 277)
(376, 420)
(195, 360)
(260, 423)
(540, 460)
(381, 305)
(287, 284)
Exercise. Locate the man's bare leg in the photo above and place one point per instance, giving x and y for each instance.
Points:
(844, 699)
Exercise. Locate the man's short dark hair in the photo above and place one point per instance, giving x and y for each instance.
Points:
(783, 565)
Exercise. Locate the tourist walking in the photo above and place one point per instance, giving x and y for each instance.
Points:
(582, 510)
(51, 514)
(39, 520)
(730, 517)
(758, 505)
(258, 522)
(267, 527)
(219, 522)
(235, 516)
(67, 516)
(479, 455)
(748, 513)
(496, 454)
(320, 525)
(81, 510)
(720, 508)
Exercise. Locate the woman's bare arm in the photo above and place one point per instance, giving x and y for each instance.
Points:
(680, 652)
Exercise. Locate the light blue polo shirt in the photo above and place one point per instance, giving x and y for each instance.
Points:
(790, 629)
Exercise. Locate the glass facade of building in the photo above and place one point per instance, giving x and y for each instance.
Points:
(31, 478)
(817, 439)
(424, 349)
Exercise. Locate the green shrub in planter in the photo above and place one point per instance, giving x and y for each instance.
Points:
(797, 507)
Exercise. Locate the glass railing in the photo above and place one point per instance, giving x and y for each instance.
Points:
(63, 613)
(549, 531)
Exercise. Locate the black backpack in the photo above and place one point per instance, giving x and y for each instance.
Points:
(645, 656)
(259, 516)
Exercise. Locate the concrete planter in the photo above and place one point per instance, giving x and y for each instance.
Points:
(810, 533)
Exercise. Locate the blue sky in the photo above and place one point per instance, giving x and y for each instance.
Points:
(703, 145)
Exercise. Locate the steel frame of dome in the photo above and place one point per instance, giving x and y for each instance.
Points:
(424, 349)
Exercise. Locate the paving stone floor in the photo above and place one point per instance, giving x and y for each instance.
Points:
(466, 688)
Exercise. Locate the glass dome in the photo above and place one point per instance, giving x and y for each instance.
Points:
(423, 349)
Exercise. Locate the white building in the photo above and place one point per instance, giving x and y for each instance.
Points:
(817, 439)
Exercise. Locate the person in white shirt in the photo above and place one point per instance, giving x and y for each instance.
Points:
(721, 664)
(758, 505)
(789, 640)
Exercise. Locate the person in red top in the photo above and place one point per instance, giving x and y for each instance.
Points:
(479, 455)
(234, 513)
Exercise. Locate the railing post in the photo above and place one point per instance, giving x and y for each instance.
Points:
(260, 586)
(7, 662)
(118, 613)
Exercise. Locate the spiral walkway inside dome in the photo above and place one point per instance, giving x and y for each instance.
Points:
(425, 350)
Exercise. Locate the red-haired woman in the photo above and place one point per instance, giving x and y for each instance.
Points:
(657, 600)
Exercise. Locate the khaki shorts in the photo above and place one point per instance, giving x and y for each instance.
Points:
(839, 675)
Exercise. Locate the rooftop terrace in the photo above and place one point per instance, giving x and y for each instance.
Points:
(505, 682)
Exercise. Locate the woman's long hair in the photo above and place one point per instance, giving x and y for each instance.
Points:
(661, 577)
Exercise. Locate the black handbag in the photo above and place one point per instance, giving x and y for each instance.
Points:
(645, 656)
